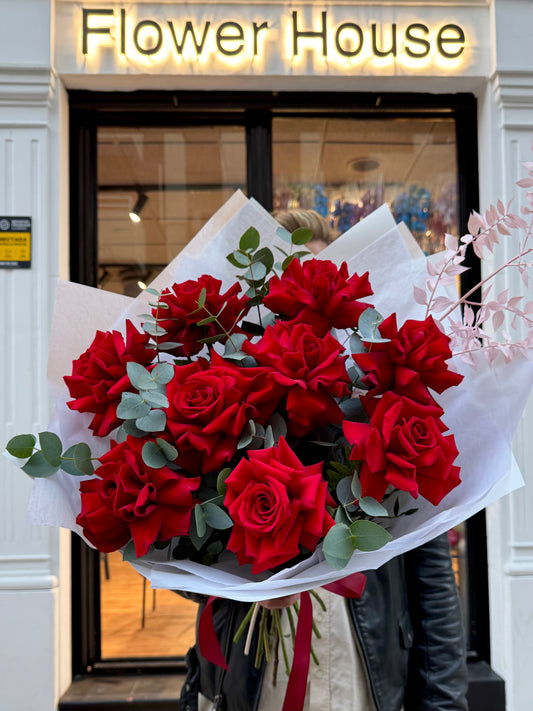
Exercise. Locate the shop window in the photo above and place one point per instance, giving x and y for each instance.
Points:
(146, 176)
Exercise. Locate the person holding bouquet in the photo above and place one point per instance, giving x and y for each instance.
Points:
(399, 647)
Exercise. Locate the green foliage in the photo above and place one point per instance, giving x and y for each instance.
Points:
(49, 458)
(369, 536)
(21, 446)
(368, 326)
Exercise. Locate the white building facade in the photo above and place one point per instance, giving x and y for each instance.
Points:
(52, 47)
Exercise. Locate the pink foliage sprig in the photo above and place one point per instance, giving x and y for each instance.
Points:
(493, 323)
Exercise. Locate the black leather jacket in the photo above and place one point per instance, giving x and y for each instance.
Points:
(409, 628)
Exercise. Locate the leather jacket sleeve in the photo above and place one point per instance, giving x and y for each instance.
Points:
(437, 663)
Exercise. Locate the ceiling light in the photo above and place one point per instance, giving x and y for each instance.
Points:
(365, 164)
(135, 212)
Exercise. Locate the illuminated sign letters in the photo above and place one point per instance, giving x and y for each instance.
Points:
(188, 37)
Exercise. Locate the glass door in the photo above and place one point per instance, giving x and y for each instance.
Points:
(157, 186)
(147, 175)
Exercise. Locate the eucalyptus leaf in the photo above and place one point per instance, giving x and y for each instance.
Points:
(269, 438)
(140, 378)
(129, 553)
(278, 426)
(199, 518)
(212, 339)
(155, 399)
(154, 292)
(163, 373)
(168, 346)
(131, 408)
(216, 517)
(238, 261)
(132, 430)
(234, 344)
(21, 446)
(170, 452)
(206, 321)
(243, 260)
(152, 456)
(257, 271)
(355, 486)
(356, 344)
(301, 235)
(38, 467)
(338, 546)
(154, 329)
(221, 480)
(155, 421)
(344, 491)
(341, 516)
(264, 256)
(51, 448)
(368, 326)
(82, 458)
(284, 234)
(148, 317)
(250, 240)
(372, 507)
(369, 536)
(67, 461)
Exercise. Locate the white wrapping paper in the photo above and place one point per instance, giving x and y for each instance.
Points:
(482, 412)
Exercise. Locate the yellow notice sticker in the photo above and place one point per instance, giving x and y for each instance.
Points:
(15, 246)
(15, 242)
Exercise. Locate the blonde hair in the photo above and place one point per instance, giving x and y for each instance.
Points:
(298, 217)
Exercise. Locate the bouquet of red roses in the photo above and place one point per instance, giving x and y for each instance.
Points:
(261, 437)
(266, 430)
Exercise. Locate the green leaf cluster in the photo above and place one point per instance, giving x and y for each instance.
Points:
(49, 458)
(258, 264)
(141, 410)
(342, 540)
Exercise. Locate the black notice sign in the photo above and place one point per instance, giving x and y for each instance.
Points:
(15, 242)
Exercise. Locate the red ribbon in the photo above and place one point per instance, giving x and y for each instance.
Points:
(352, 587)
(207, 637)
(297, 685)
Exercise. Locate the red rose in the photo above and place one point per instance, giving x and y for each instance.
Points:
(319, 293)
(208, 409)
(311, 370)
(403, 446)
(128, 499)
(412, 361)
(277, 505)
(99, 375)
(181, 320)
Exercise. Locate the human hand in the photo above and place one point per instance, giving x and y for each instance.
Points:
(277, 603)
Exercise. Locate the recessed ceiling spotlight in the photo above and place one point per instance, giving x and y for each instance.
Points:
(365, 164)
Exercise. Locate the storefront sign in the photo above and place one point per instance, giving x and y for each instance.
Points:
(15, 242)
(197, 37)
(231, 37)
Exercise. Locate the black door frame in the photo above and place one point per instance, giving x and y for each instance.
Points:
(254, 111)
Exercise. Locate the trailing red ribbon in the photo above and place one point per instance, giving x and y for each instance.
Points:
(352, 587)
(207, 637)
(297, 685)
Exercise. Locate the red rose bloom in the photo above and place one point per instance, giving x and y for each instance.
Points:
(319, 293)
(277, 505)
(127, 499)
(412, 361)
(208, 409)
(181, 319)
(311, 370)
(403, 446)
(99, 375)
